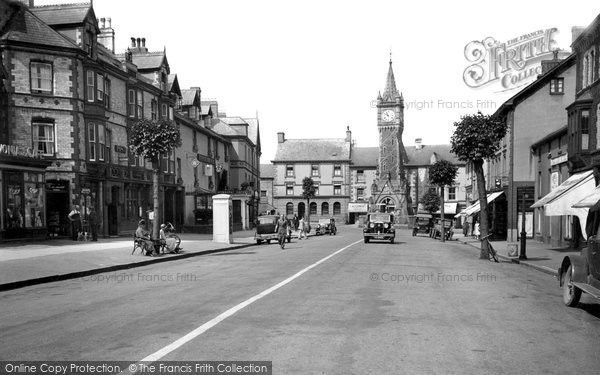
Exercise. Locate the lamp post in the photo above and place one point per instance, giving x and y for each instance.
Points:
(523, 255)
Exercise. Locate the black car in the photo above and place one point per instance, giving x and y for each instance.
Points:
(379, 226)
(326, 226)
(266, 229)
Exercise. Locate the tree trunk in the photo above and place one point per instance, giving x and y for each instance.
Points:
(483, 212)
(308, 211)
(443, 227)
(155, 222)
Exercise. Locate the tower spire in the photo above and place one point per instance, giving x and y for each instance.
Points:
(391, 92)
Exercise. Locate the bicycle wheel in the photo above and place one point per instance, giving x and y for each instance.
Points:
(493, 254)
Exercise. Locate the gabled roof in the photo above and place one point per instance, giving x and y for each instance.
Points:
(313, 150)
(429, 154)
(25, 27)
(267, 171)
(206, 109)
(234, 121)
(174, 84)
(365, 157)
(224, 129)
(536, 85)
(63, 14)
(150, 60)
(253, 130)
(189, 97)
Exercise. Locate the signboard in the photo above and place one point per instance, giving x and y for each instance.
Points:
(559, 160)
(208, 170)
(57, 186)
(195, 163)
(85, 191)
(120, 149)
(358, 207)
(14, 150)
(554, 181)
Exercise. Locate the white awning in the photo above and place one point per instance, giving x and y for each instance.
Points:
(560, 201)
(449, 208)
(473, 209)
(591, 201)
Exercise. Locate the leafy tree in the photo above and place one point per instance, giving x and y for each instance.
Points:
(152, 139)
(308, 192)
(442, 173)
(430, 202)
(476, 138)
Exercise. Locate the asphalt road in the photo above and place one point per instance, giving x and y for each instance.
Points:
(417, 306)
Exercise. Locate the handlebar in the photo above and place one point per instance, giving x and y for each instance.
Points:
(486, 237)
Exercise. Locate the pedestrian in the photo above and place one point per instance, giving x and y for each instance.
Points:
(476, 232)
(93, 220)
(296, 222)
(283, 226)
(75, 219)
(302, 226)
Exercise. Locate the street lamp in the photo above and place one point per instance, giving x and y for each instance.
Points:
(523, 255)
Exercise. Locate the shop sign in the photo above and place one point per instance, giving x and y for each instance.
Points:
(559, 160)
(120, 149)
(358, 207)
(85, 191)
(14, 150)
(57, 186)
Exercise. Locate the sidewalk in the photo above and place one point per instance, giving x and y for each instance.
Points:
(29, 263)
(540, 256)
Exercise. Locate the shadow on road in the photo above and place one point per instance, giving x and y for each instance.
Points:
(232, 253)
(591, 308)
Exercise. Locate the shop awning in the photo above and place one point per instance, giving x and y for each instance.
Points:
(473, 209)
(560, 201)
(591, 201)
(449, 209)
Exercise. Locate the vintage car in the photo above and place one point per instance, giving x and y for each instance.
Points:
(581, 272)
(379, 226)
(267, 231)
(325, 226)
(436, 231)
(423, 224)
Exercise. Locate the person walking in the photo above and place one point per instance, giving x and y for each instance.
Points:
(302, 225)
(296, 222)
(93, 221)
(75, 219)
(282, 229)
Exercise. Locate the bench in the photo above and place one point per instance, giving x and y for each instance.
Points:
(140, 242)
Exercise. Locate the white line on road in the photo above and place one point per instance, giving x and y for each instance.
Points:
(213, 322)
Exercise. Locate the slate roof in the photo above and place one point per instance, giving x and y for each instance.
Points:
(224, 129)
(25, 27)
(253, 131)
(150, 60)
(234, 121)
(422, 157)
(267, 171)
(313, 150)
(62, 14)
(365, 156)
(188, 96)
(205, 108)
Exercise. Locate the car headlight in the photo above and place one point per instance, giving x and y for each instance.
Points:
(386, 225)
(371, 225)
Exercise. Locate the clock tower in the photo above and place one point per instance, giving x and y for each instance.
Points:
(389, 190)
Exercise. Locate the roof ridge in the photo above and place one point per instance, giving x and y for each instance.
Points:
(72, 5)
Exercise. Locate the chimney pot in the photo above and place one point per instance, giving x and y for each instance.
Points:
(132, 41)
(280, 137)
(139, 42)
(102, 23)
(109, 22)
(143, 42)
(418, 143)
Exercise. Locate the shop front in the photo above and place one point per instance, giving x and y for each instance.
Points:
(23, 196)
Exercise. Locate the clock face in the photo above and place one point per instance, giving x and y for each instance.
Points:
(388, 115)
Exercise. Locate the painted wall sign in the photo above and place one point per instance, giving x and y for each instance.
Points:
(120, 149)
(14, 150)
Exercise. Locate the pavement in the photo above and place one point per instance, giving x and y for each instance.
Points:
(540, 256)
(26, 263)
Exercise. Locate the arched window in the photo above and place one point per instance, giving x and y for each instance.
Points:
(313, 208)
(289, 208)
(325, 208)
(337, 208)
(301, 209)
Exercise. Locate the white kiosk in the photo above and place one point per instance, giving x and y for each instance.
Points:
(222, 218)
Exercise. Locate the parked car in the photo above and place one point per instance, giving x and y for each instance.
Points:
(267, 231)
(423, 224)
(326, 226)
(581, 272)
(379, 226)
(436, 231)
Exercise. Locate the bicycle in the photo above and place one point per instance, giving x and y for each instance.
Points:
(491, 251)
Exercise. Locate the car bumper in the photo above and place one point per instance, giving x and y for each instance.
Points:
(379, 236)
(264, 237)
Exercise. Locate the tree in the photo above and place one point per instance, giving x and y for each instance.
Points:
(476, 138)
(430, 202)
(308, 192)
(442, 173)
(153, 139)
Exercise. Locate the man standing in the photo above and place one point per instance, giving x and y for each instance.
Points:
(282, 229)
(75, 219)
(302, 225)
(93, 220)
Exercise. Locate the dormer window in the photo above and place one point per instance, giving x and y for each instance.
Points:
(89, 42)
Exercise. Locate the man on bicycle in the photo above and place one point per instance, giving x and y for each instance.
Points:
(282, 229)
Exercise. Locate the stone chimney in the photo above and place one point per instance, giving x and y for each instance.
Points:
(138, 45)
(549, 64)
(280, 137)
(418, 143)
(576, 31)
(107, 34)
(348, 134)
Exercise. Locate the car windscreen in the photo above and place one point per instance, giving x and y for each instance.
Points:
(265, 220)
(379, 217)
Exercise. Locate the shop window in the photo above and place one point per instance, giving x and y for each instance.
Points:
(41, 77)
(34, 215)
(131, 204)
(325, 208)
(313, 208)
(43, 138)
(337, 208)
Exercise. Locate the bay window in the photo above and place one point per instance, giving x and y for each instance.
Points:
(41, 77)
(90, 84)
(100, 88)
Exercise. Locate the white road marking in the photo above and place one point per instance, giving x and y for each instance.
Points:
(213, 322)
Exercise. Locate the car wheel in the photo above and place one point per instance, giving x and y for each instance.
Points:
(268, 242)
(258, 242)
(392, 240)
(289, 239)
(571, 293)
(366, 239)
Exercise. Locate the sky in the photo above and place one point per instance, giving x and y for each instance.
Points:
(312, 68)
